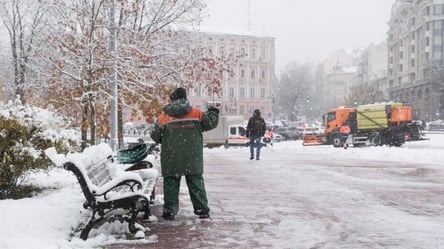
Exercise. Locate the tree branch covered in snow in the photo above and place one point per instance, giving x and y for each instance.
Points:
(72, 55)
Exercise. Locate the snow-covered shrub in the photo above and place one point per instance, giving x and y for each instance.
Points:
(25, 132)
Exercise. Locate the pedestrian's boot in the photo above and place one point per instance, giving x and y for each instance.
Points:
(168, 215)
(203, 213)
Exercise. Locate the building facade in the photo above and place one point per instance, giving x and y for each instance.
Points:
(337, 74)
(251, 86)
(415, 52)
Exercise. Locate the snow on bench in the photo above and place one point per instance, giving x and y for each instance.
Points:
(107, 187)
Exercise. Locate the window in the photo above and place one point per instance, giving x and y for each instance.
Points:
(413, 48)
(242, 52)
(252, 92)
(262, 92)
(438, 9)
(253, 74)
(221, 51)
(233, 130)
(242, 131)
(231, 94)
(437, 56)
(242, 73)
(412, 62)
(426, 11)
(253, 53)
(198, 90)
(400, 67)
(437, 40)
(262, 56)
(242, 92)
(263, 75)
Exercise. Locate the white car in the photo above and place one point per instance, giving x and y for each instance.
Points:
(277, 137)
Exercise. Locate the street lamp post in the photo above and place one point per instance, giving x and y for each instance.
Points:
(113, 78)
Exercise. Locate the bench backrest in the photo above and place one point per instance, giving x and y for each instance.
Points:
(99, 174)
(83, 181)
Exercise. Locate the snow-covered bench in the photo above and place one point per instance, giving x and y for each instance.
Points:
(111, 193)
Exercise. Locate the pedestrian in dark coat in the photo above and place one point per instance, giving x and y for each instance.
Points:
(179, 131)
(255, 131)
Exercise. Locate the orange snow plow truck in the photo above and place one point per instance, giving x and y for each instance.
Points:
(373, 124)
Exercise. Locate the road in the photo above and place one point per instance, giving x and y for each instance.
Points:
(297, 197)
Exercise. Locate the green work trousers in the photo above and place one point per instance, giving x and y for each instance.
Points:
(196, 189)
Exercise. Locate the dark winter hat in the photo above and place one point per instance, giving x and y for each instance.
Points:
(179, 93)
(257, 113)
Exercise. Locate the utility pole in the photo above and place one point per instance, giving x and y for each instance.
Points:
(113, 77)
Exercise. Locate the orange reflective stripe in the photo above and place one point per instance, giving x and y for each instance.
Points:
(195, 113)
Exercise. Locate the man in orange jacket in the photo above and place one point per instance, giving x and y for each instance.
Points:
(344, 130)
(179, 131)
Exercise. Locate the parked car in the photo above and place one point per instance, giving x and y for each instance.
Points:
(437, 125)
(289, 132)
(277, 137)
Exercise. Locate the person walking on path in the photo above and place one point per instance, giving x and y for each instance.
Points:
(255, 131)
(179, 131)
(268, 136)
(344, 130)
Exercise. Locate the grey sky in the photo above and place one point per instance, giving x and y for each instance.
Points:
(305, 30)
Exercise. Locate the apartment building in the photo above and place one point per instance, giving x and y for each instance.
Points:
(338, 73)
(251, 87)
(415, 55)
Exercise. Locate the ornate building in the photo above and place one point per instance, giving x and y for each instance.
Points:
(251, 87)
(415, 53)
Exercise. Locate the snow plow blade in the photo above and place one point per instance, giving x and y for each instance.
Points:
(313, 139)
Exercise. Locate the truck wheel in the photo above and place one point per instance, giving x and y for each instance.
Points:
(399, 140)
(337, 141)
(375, 140)
(226, 145)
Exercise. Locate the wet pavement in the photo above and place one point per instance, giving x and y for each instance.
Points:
(306, 200)
(234, 223)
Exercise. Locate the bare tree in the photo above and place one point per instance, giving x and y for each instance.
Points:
(363, 94)
(21, 18)
(76, 60)
(294, 86)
